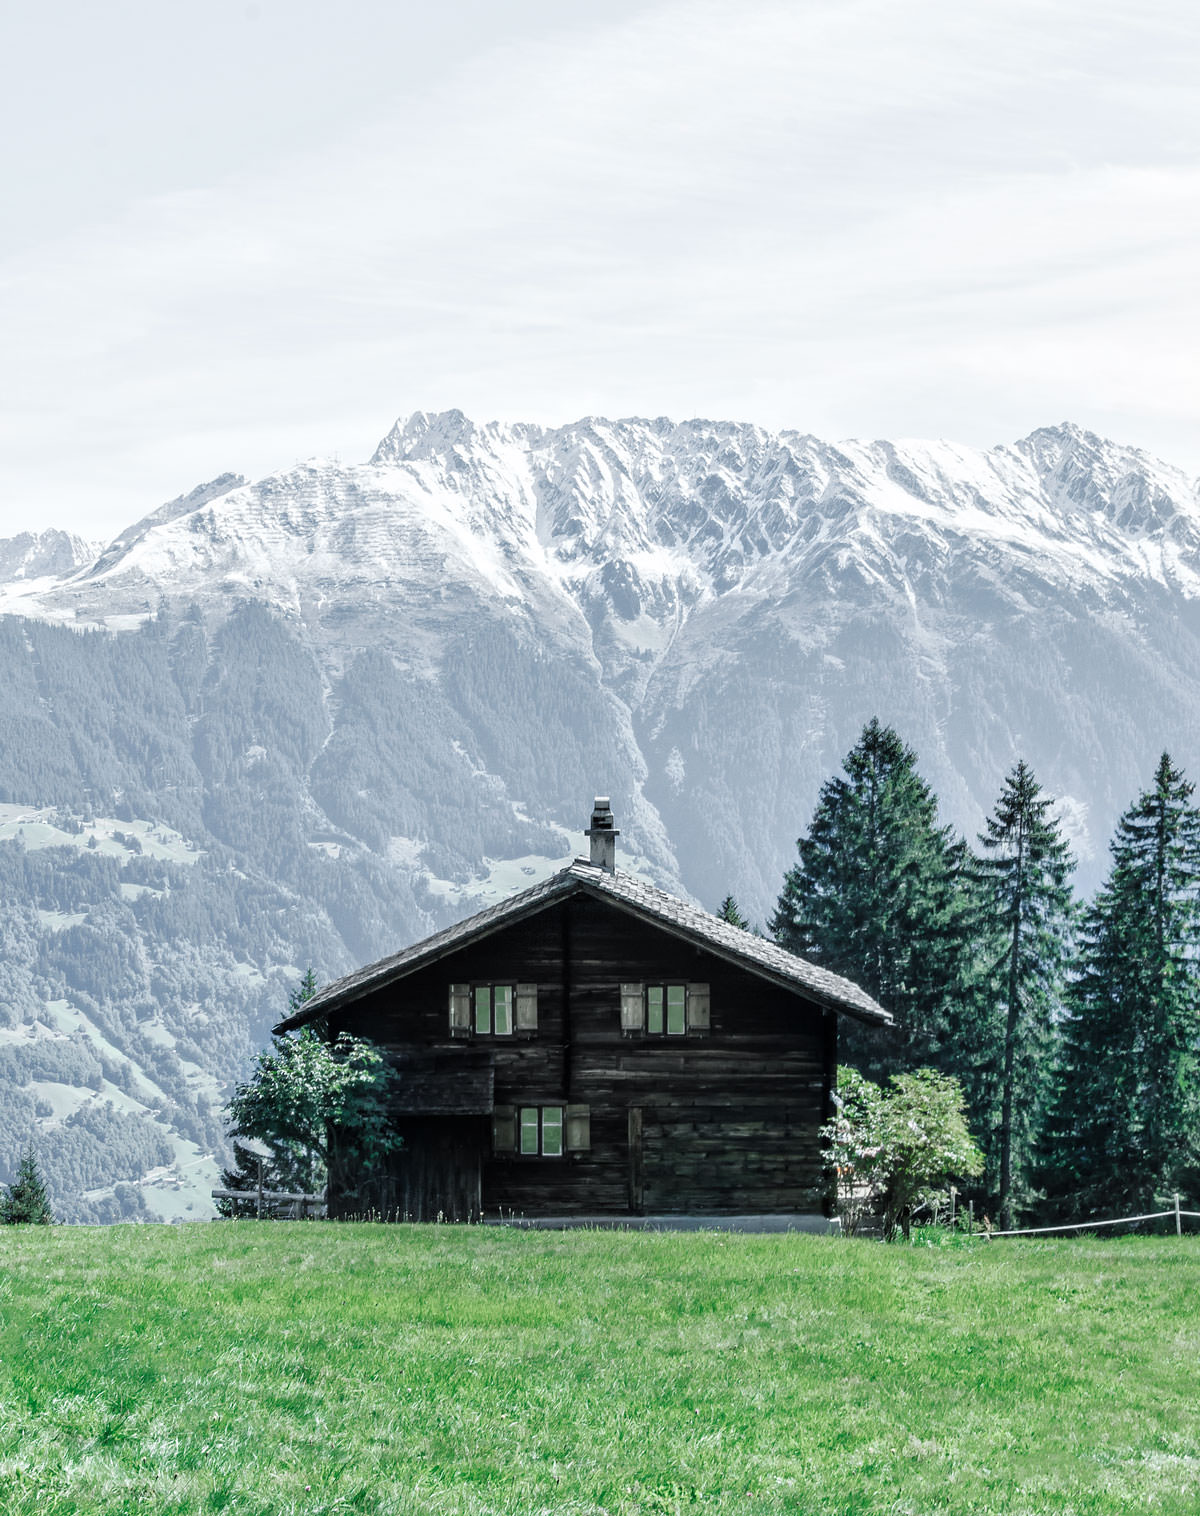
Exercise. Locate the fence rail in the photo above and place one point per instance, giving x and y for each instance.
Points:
(260, 1198)
(1090, 1226)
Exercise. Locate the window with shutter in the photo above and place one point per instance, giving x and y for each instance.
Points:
(665, 1010)
(633, 1010)
(527, 1008)
(579, 1128)
(487, 1010)
(543, 1130)
(460, 1010)
(697, 1008)
(504, 1128)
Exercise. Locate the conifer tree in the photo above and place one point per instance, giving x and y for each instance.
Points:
(304, 991)
(881, 894)
(25, 1199)
(731, 913)
(1024, 874)
(1126, 1126)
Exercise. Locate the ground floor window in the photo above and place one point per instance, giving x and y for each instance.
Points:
(541, 1130)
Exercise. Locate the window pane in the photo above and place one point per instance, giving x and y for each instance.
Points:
(483, 1008)
(502, 997)
(552, 1133)
(529, 1129)
(654, 1008)
(676, 1009)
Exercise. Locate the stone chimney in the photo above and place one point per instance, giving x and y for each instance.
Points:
(604, 836)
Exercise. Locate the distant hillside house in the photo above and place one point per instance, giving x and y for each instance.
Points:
(595, 1047)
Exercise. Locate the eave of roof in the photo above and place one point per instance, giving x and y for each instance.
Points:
(625, 892)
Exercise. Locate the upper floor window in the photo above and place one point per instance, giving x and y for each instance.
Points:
(664, 1010)
(492, 1010)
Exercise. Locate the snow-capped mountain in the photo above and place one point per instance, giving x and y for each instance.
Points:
(38, 555)
(651, 516)
(691, 571)
(360, 700)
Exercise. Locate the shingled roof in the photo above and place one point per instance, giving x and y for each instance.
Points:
(689, 922)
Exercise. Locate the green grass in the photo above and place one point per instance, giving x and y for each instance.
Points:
(243, 1367)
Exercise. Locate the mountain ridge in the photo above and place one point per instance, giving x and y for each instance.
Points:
(439, 438)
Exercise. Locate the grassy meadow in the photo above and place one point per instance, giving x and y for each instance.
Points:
(306, 1367)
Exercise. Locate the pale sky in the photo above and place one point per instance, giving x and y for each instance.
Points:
(239, 234)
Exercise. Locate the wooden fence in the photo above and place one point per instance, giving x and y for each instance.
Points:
(297, 1206)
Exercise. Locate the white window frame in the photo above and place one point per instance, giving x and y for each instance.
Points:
(665, 1003)
(538, 1127)
(666, 1009)
(491, 1029)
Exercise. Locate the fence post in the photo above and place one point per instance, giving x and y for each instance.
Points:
(970, 1218)
(1178, 1226)
(260, 1188)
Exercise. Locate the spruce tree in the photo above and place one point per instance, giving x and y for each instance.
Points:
(25, 1199)
(1126, 1126)
(731, 913)
(305, 990)
(881, 894)
(1026, 903)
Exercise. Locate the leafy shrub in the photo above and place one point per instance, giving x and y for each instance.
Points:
(893, 1147)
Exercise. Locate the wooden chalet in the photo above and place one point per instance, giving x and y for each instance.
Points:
(593, 1046)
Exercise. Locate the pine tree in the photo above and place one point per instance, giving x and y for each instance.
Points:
(1024, 875)
(881, 894)
(305, 990)
(1127, 1125)
(731, 913)
(26, 1199)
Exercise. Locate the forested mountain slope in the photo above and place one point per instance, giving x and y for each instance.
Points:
(305, 719)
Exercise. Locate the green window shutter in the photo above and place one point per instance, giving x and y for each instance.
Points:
(504, 1129)
(527, 1008)
(579, 1128)
(460, 1010)
(698, 1008)
(632, 1011)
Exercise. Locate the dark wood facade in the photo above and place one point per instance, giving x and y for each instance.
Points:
(720, 1117)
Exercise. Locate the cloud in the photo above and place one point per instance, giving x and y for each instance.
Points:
(870, 216)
